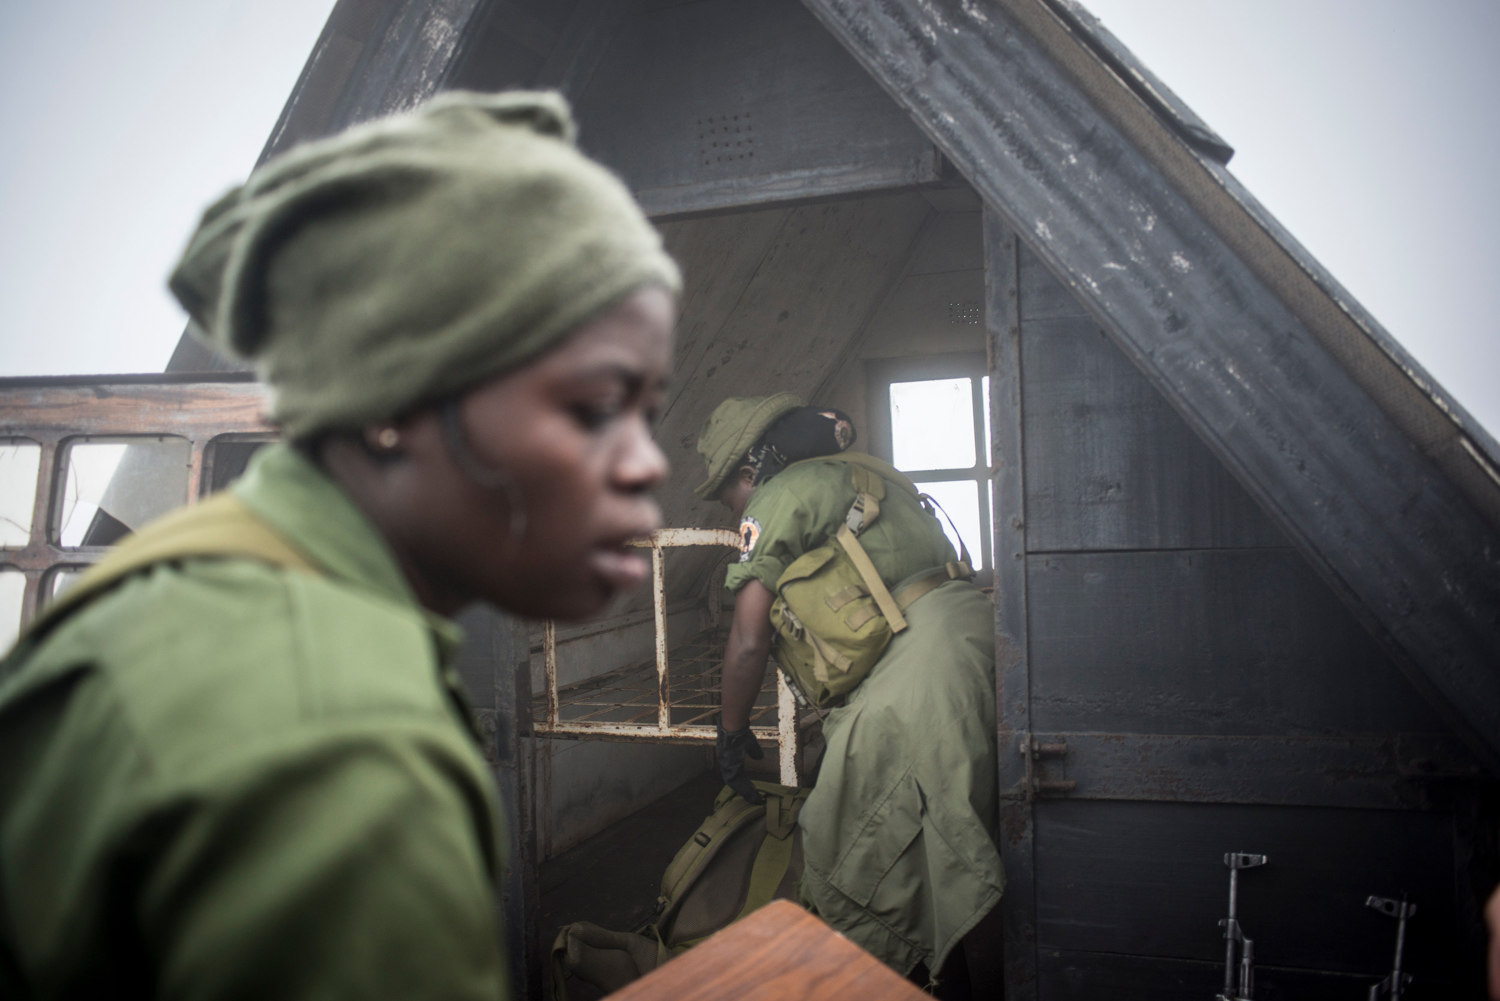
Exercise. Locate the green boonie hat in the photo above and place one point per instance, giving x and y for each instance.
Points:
(410, 259)
(734, 426)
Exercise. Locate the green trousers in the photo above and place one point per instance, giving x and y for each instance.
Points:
(899, 832)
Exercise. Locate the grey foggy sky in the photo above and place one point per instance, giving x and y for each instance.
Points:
(1367, 127)
(1364, 126)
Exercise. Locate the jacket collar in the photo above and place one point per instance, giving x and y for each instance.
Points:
(300, 501)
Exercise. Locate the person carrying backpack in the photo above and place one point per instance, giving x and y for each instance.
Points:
(899, 832)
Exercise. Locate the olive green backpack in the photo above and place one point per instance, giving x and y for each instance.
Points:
(743, 856)
(832, 614)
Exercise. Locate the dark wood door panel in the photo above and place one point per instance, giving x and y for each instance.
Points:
(1088, 976)
(1213, 642)
(1110, 465)
(1148, 879)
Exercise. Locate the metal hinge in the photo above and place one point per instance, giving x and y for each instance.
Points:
(1033, 750)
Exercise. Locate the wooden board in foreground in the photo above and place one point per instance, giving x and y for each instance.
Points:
(779, 953)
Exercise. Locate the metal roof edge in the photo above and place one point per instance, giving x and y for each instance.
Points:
(1472, 456)
(1146, 85)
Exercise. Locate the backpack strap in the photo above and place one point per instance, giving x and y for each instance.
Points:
(929, 502)
(869, 486)
(221, 525)
(869, 491)
(883, 473)
(771, 864)
(871, 577)
(731, 812)
(703, 846)
(775, 855)
(882, 469)
(869, 476)
(931, 580)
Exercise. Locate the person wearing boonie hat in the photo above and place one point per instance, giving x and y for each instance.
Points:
(899, 834)
(236, 761)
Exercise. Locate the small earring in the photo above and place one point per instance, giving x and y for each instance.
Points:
(388, 438)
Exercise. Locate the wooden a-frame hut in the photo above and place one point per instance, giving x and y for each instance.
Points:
(1246, 552)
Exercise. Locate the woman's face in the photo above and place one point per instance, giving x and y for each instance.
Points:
(572, 432)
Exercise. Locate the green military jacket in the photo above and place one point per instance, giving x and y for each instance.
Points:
(802, 507)
(223, 779)
(898, 836)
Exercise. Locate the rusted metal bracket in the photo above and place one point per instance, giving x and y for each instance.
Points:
(1033, 750)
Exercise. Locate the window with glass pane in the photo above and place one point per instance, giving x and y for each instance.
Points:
(19, 462)
(227, 457)
(12, 592)
(114, 486)
(932, 424)
(59, 579)
(936, 429)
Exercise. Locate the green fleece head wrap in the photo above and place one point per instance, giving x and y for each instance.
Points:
(734, 426)
(407, 260)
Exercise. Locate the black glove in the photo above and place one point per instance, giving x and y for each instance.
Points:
(732, 747)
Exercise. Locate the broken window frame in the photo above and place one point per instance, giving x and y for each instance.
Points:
(882, 374)
(58, 411)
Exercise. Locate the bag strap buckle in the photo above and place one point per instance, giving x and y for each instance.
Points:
(863, 512)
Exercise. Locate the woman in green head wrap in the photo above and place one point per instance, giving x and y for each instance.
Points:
(452, 309)
(248, 768)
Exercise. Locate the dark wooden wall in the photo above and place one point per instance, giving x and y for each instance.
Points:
(1214, 696)
(724, 103)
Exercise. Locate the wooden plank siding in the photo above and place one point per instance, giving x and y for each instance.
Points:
(1207, 684)
(754, 104)
(1156, 886)
(1137, 223)
(494, 663)
(1111, 465)
(1205, 641)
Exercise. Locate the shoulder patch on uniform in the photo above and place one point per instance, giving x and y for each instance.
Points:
(749, 535)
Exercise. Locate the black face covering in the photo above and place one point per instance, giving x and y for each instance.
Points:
(804, 433)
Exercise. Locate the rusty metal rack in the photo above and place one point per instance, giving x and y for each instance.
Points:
(620, 701)
(672, 698)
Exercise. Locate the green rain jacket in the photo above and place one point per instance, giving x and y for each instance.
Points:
(899, 832)
(223, 779)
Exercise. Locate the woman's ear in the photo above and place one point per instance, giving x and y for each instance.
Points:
(747, 476)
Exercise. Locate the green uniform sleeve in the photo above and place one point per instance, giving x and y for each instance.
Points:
(782, 521)
(347, 869)
(801, 509)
